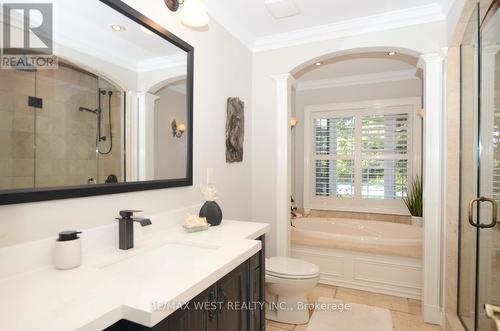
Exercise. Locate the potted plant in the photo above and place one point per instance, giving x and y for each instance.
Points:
(414, 201)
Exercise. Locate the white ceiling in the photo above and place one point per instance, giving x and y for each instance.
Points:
(90, 29)
(250, 21)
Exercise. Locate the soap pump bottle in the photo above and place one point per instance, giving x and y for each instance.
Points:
(68, 250)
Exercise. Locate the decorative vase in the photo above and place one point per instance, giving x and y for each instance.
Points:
(212, 212)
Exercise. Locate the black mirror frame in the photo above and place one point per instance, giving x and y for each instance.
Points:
(56, 193)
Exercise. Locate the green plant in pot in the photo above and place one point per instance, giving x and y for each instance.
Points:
(414, 200)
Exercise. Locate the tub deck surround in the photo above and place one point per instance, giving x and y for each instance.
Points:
(372, 256)
(96, 295)
(359, 235)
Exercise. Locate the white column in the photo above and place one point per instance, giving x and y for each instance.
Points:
(432, 65)
(146, 104)
(284, 84)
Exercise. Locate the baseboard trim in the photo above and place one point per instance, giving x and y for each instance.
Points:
(432, 314)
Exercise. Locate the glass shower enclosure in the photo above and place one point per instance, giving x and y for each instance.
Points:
(479, 231)
(47, 139)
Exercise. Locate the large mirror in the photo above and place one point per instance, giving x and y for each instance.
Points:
(111, 113)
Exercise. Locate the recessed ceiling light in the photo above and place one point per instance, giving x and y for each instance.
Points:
(147, 31)
(391, 53)
(318, 63)
(117, 28)
(282, 8)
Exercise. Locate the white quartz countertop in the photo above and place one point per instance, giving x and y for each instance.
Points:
(107, 288)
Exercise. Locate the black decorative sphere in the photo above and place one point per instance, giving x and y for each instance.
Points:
(212, 212)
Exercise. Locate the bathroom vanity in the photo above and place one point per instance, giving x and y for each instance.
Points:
(144, 288)
(235, 302)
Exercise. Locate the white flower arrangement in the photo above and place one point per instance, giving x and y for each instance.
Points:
(209, 192)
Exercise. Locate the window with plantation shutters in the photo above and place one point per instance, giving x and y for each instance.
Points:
(360, 154)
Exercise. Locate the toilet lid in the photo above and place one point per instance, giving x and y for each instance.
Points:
(290, 267)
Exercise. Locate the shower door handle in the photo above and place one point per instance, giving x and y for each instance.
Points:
(493, 313)
(493, 213)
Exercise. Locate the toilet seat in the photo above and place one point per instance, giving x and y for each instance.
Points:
(290, 268)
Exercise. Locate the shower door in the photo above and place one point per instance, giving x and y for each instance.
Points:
(479, 249)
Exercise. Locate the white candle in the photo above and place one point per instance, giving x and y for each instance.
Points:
(210, 176)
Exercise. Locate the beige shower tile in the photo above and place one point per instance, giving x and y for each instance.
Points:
(51, 181)
(22, 145)
(21, 82)
(81, 128)
(23, 167)
(21, 104)
(22, 182)
(6, 101)
(281, 326)
(5, 144)
(6, 120)
(51, 167)
(5, 183)
(23, 122)
(373, 299)
(44, 125)
(5, 167)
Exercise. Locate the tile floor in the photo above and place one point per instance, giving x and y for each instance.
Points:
(406, 313)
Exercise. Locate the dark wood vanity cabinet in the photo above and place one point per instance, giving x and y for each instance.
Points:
(231, 304)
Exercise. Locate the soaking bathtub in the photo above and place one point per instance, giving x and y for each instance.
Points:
(375, 256)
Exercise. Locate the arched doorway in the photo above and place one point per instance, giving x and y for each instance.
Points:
(432, 68)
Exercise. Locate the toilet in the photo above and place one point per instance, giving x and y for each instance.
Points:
(287, 282)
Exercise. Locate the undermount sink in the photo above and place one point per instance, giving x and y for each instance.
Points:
(161, 260)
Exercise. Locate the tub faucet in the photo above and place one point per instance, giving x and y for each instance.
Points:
(126, 227)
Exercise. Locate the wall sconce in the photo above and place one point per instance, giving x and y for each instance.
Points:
(194, 13)
(178, 129)
(293, 122)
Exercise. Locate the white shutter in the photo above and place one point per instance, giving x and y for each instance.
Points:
(385, 134)
(385, 145)
(334, 136)
(384, 179)
(334, 178)
(334, 144)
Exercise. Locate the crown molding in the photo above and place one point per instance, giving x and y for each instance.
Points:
(382, 77)
(386, 21)
(181, 88)
(174, 60)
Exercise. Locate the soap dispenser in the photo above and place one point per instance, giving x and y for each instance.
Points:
(68, 250)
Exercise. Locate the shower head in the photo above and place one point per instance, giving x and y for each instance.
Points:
(95, 111)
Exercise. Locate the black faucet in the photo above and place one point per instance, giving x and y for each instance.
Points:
(126, 227)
